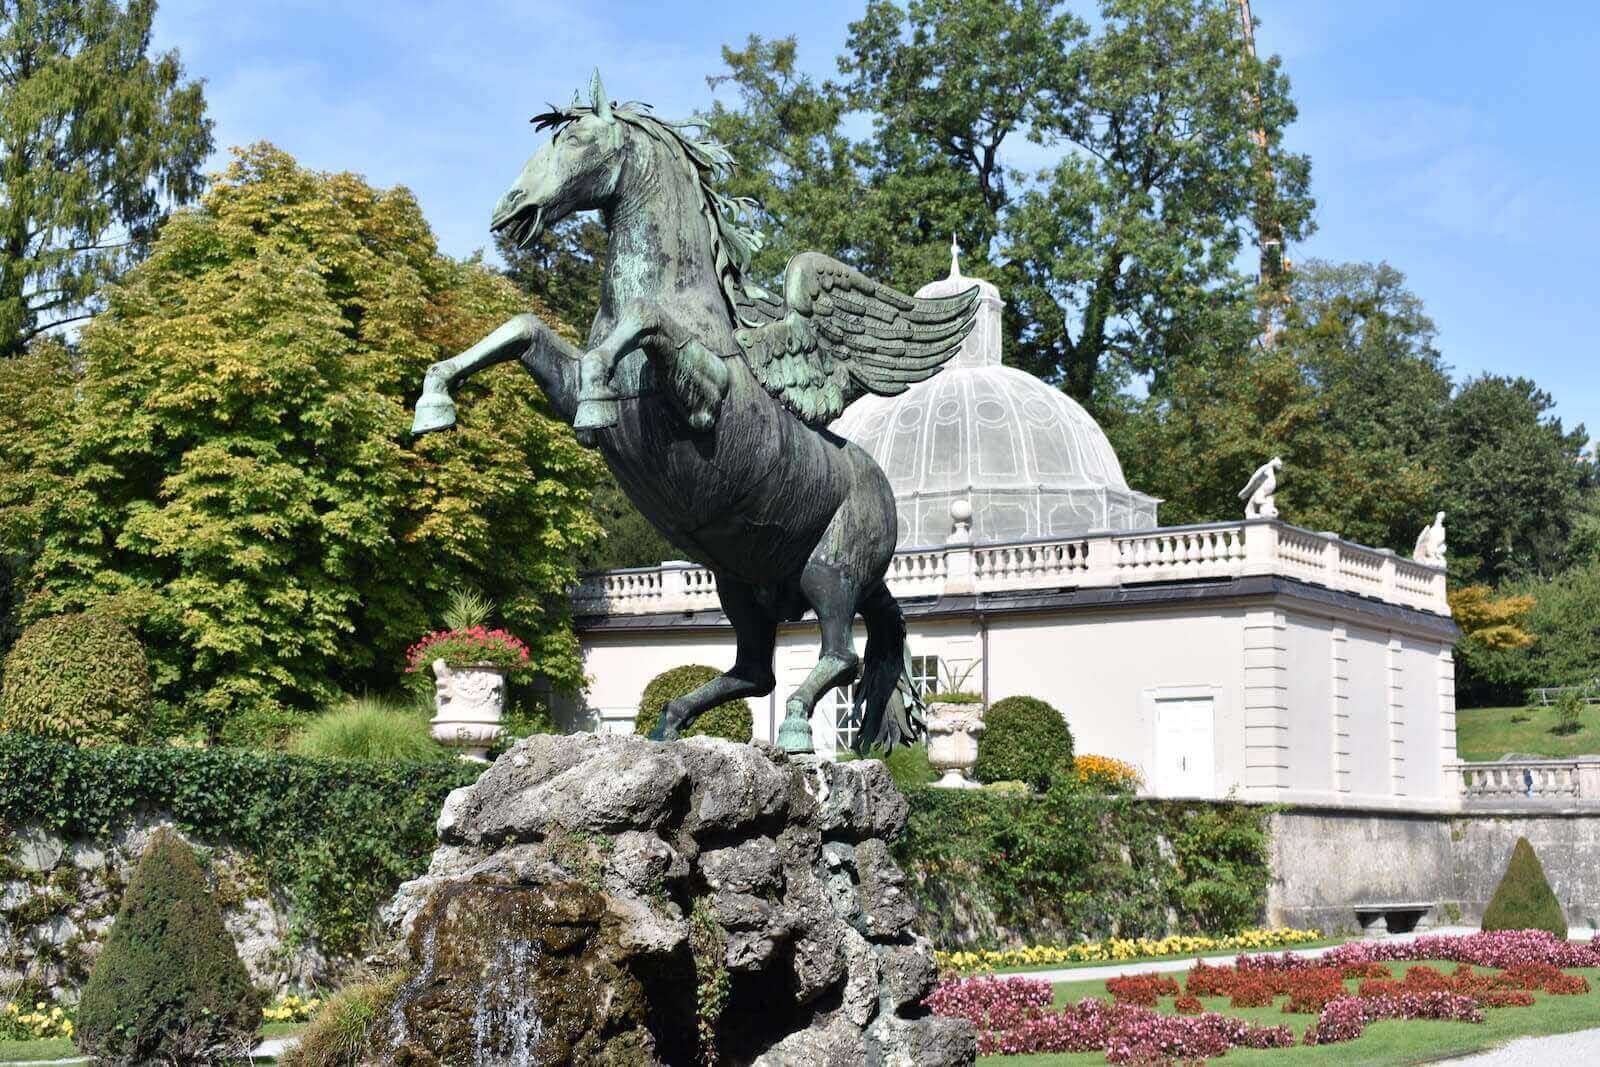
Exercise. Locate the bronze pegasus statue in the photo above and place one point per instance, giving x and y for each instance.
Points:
(710, 399)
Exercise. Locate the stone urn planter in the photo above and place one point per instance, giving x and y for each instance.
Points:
(953, 730)
(469, 704)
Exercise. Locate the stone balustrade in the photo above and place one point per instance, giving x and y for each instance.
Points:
(1168, 554)
(1563, 782)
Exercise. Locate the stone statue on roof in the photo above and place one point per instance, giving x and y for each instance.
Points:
(1258, 493)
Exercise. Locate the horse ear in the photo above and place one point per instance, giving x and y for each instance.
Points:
(597, 98)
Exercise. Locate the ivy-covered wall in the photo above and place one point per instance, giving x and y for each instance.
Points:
(324, 844)
(994, 870)
(331, 839)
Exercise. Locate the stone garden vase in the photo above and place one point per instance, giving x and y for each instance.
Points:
(953, 731)
(469, 706)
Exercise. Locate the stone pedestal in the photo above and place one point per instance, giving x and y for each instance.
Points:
(607, 899)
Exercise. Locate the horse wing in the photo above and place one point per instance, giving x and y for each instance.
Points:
(840, 335)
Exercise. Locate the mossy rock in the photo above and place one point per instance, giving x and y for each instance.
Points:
(168, 986)
(78, 678)
(1024, 739)
(731, 719)
(1523, 900)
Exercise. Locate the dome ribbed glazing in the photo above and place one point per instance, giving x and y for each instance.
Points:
(1029, 459)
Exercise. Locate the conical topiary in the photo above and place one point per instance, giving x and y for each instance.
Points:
(1523, 900)
(168, 986)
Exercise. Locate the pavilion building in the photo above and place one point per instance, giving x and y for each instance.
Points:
(1248, 657)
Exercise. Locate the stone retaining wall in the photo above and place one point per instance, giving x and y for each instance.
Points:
(58, 897)
(1325, 860)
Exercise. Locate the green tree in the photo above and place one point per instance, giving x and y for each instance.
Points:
(1516, 479)
(1350, 396)
(235, 477)
(1117, 260)
(98, 139)
(1564, 620)
(562, 269)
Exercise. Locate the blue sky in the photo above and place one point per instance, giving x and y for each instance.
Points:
(1457, 141)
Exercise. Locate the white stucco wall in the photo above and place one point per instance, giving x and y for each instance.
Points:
(1309, 703)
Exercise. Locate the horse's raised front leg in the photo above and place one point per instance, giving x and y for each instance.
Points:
(696, 377)
(552, 361)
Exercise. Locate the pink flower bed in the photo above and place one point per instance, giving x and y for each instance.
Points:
(1499, 949)
(1013, 1016)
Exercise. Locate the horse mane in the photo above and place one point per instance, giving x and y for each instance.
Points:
(734, 239)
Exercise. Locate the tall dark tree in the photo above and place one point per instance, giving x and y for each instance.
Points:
(1120, 258)
(1517, 479)
(1351, 396)
(98, 140)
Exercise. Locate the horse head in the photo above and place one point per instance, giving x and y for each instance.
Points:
(578, 170)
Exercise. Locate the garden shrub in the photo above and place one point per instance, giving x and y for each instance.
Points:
(336, 836)
(340, 1034)
(1063, 866)
(731, 719)
(168, 986)
(1523, 900)
(1023, 739)
(366, 728)
(79, 678)
(907, 764)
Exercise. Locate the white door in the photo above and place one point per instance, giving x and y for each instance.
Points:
(1185, 752)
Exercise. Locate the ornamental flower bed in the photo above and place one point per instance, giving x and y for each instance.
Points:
(19, 1022)
(498, 648)
(1118, 948)
(1125, 1032)
(1013, 1015)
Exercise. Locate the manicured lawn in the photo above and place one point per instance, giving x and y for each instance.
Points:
(55, 1048)
(1489, 733)
(1389, 1043)
(60, 1048)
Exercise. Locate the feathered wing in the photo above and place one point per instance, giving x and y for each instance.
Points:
(837, 335)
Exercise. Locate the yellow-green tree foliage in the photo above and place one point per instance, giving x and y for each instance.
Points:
(227, 464)
(1489, 621)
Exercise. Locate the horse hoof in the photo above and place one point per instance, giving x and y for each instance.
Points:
(433, 413)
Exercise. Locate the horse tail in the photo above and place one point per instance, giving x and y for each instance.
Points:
(887, 704)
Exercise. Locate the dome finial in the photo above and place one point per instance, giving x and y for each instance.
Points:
(955, 257)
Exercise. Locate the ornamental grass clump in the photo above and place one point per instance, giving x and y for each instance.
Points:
(1523, 900)
(168, 986)
(731, 719)
(340, 1034)
(365, 728)
(77, 678)
(1024, 739)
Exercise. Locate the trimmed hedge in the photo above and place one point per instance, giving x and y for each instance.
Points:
(1524, 900)
(169, 986)
(731, 719)
(992, 869)
(338, 836)
(1024, 739)
(79, 678)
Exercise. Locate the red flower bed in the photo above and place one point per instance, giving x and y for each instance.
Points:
(1346, 1018)
(1187, 1005)
(1500, 949)
(1141, 988)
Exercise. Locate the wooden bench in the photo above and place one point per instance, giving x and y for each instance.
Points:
(1394, 917)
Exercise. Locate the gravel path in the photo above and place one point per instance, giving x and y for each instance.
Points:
(1582, 1046)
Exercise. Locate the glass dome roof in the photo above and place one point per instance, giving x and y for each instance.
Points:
(1028, 458)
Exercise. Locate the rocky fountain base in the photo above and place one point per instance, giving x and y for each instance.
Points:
(610, 900)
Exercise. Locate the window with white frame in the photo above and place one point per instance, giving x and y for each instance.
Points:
(846, 727)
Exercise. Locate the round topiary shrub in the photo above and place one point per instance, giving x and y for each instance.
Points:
(1024, 739)
(731, 720)
(79, 678)
(168, 986)
(1524, 900)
